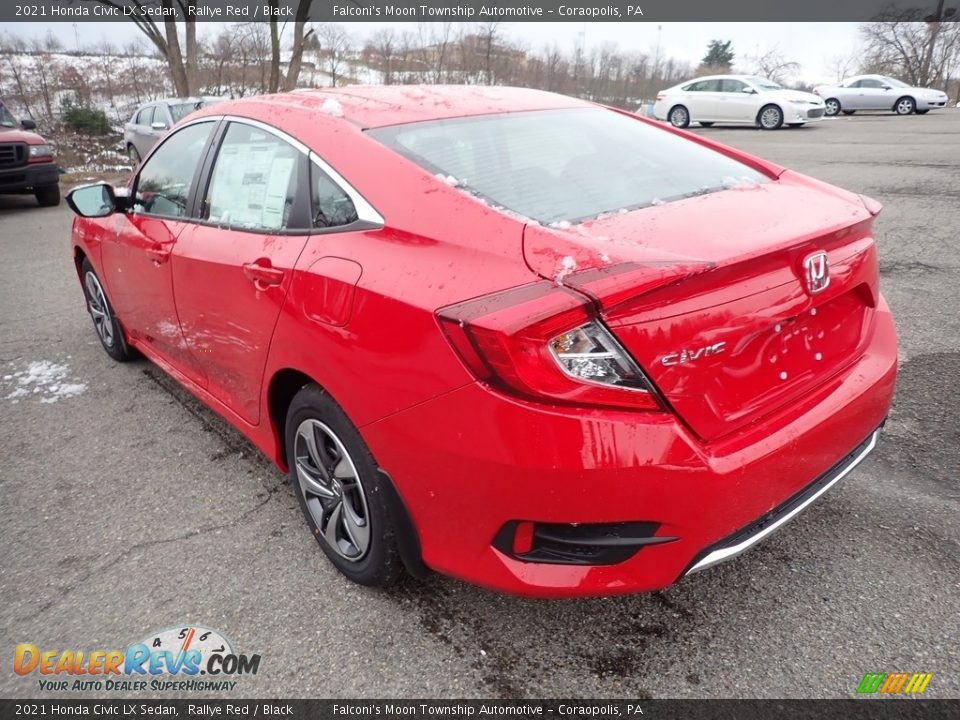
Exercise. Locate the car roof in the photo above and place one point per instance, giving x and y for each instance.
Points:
(371, 106)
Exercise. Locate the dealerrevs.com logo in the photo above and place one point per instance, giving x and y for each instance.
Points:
(188, 658)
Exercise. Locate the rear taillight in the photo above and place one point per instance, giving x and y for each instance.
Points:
(544, 342)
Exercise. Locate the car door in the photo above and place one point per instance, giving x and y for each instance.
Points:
(143, 132)
(872, 95)
(136, 259)
(231, 272)
(734, 104)
(703, 99)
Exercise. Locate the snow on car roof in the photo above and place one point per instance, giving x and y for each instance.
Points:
(382, 105)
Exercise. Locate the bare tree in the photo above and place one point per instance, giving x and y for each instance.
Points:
(334, 48)
(922, 49)
(771, 64)
(301, 35)
(842, 66)
(382, 52)
(182, 69)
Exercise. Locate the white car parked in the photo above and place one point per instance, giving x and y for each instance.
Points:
(742, 99)
(879, 92)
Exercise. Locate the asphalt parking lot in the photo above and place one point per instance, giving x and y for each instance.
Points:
(128, 507)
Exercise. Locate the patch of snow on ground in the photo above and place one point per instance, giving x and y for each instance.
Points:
(47, 380)
(332, 107)
(560, 225)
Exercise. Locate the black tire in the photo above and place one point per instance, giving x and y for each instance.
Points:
(831, 107)
(110, 333)
(679, 116)
(905, 105)
(134, 155)
(922, 112)
(705, 124)
(379, 563)
(770, 117)
(848, 112)
(47, 195)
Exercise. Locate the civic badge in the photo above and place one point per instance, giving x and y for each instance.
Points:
(816, 269)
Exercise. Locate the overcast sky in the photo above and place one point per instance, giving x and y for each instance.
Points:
(813, 45)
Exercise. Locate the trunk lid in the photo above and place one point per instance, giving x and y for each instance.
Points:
(711, 294)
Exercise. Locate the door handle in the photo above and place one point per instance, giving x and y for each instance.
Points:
(159, 252)
(262, 274)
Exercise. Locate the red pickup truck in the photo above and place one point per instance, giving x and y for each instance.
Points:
(26, 161)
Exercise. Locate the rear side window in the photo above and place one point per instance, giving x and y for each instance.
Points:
(253, 184)
(703, 86)
(332, 207)
(166, 179)
(565, 165)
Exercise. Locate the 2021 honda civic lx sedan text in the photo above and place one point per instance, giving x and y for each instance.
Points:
(541, 345)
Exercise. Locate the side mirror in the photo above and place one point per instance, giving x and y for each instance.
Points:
(886, 87)
(93, 201)
(159, 126)
(749, 91)
(28, 124)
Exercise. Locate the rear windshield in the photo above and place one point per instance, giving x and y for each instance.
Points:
(565, 165)
(181, 110)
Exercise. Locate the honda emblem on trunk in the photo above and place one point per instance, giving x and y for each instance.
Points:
(817, 271)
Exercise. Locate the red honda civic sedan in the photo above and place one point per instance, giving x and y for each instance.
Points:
(541, 345)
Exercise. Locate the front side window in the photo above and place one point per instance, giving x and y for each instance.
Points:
(166, 179)
(565, 165)
(765, 83)
(871, 83)
(253, 183)
(145, 117)
(732, 86)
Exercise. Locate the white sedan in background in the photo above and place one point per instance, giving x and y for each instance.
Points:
(879, 92)
(741, 99)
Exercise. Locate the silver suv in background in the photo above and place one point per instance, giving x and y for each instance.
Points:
(151, 120)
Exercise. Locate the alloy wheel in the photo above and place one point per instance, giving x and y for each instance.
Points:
(771, 118)
(679, 117)
(99, 309)
(904, 106)
(832, 107)
(332, 490)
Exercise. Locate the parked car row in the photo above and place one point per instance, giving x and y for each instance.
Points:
(752, 100)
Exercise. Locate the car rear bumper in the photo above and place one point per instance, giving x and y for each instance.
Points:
(471, 462)
(27, 177)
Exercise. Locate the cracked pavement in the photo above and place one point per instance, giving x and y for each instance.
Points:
(130, 507)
